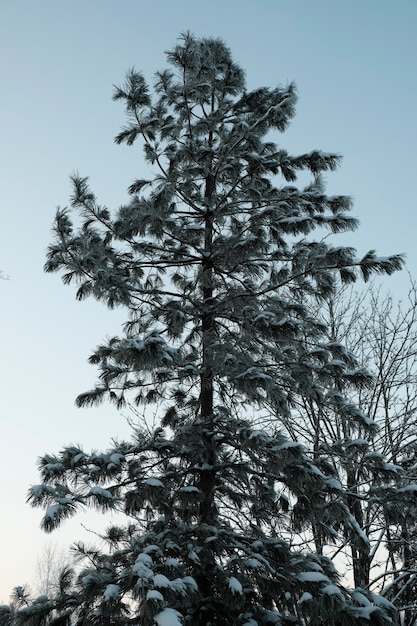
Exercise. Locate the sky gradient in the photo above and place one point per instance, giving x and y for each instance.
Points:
(354, 64)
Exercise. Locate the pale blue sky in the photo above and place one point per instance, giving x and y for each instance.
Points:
(354, 62)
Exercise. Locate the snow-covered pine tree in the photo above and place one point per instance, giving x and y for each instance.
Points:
(213, 261)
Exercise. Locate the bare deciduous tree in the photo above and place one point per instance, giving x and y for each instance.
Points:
(49, 566)
(378, 472)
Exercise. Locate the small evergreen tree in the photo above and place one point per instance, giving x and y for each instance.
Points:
(211, 259)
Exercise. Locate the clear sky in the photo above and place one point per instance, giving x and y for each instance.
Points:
(354, 63)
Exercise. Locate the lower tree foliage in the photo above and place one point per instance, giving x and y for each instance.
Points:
(212, 261)
(223, 565)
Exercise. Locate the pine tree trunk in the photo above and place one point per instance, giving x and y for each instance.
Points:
(207, 483)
